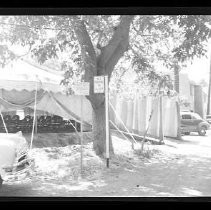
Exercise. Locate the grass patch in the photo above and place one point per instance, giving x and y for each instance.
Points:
(146, 153)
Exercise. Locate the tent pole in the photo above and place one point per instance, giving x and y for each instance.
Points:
(36, 124)
(118, 130)
(33, 126)
(4, 122)
(120, 120)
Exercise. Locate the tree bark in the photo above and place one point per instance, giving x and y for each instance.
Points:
(99, 131)
(102, 65)
(116, 47)
(176, 88)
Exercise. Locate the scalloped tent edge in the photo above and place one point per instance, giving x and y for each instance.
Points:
(18, 86)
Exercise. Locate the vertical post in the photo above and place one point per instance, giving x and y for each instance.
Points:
(3, 121)
(33, 126)
(161, 120)
(209, 89)
(36, 124)
(81, 136)
(107, 120)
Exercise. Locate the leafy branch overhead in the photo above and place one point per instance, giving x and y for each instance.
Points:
(94, 44)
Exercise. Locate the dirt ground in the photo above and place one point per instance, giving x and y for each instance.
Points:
(175, 169)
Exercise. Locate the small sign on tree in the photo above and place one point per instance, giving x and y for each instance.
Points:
(99, 84)
(81, 88)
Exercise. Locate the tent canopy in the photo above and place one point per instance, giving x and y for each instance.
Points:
(18, 84)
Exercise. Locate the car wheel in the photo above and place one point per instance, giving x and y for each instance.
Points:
(1, 181)
(202, 131)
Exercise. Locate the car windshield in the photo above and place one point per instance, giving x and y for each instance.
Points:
(196, 116)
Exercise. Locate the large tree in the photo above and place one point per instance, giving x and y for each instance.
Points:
(93, 45)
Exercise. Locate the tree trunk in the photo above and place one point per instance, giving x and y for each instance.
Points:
(101, 65)
(176, 88)
(99, 131)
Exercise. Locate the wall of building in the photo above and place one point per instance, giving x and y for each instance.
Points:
(198, 102)
(193, 94)
(185, 93)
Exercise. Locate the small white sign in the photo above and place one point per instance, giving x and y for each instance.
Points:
(81, 88)
(99, 84)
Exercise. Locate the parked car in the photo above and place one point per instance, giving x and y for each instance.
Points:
(192, 122)
(14, 157)
(208, 118)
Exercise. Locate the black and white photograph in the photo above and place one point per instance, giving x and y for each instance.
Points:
(109, 105)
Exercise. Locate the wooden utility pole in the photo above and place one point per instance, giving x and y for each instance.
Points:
(209, 87)
(176, 88)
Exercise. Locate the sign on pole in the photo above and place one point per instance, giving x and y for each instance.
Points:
(81, 88)
(99, 84)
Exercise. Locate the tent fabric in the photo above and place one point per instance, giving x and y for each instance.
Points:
(26, 71)
(66, 106)
(19, 85)
(73, 103)
(62, 105)
(19, 98)
(21, 75)
(17, 91)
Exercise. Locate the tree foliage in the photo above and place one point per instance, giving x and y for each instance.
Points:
(153, 38)
(196, 30)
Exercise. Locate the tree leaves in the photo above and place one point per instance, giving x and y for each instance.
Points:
(168, 39)
(46, 51)
(196, 34)
(6, 55)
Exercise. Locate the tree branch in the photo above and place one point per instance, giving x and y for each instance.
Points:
(121, 34)
(99, 40)
(117, 54)
(141, 34)
(89, 58)
(87, 49)
(116, 47)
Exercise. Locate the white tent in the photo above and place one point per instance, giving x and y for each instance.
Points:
(18, 84)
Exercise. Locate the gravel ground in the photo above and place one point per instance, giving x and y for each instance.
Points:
(175, 169)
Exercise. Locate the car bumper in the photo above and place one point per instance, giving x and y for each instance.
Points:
(12, 173)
